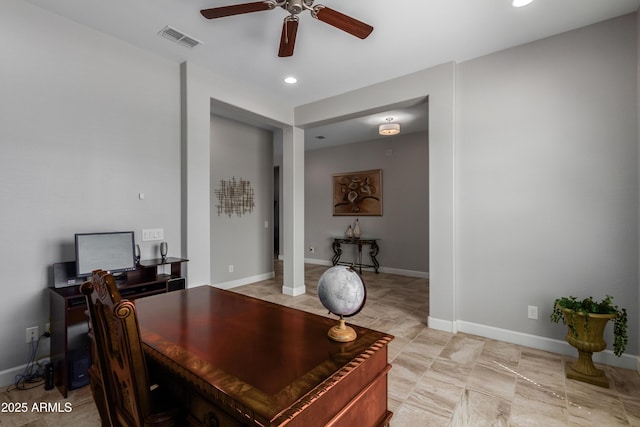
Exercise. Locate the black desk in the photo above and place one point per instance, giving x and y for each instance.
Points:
(68, 308)
(373, 251)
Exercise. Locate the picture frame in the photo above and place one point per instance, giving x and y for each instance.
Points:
(357, 193)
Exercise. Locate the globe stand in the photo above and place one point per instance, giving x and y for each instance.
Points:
(342, 333)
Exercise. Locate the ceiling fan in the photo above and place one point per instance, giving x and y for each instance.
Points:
(290, 26)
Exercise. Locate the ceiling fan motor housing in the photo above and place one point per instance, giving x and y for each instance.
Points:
(296, 6)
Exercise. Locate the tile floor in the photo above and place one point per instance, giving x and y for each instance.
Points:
(437, 379)
(442, 379)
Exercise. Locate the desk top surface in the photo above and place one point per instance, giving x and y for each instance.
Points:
(263, 355)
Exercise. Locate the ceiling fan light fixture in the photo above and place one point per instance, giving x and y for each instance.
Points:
(520, 3)
(389, 128)
(290, 27)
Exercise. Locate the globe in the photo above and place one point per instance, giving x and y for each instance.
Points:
(342, 292)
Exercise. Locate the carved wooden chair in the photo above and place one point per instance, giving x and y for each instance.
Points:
(119, 377)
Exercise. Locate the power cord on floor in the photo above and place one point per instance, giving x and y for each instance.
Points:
(33, 374)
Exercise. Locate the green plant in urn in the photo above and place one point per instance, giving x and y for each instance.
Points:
(586, 320)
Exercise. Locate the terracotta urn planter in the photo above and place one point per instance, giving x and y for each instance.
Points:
(587, 336)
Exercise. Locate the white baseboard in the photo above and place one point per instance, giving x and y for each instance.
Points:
(408, 273)
(441, 325)
(318, 262)
(294, 292)
(397, 271)
(606, 357)
(245, 281)
(8, 376)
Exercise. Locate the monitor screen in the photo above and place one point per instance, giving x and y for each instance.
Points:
(113, 252)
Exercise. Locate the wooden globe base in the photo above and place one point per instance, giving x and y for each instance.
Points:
(342, 332)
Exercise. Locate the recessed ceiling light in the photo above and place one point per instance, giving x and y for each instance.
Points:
(520, 3)
(290, 80)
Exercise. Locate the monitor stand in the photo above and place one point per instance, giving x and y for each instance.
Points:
(120, 278)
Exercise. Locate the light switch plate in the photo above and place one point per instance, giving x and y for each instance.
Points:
(151, 234)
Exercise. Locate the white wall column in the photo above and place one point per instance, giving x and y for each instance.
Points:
(196, 123)
(293, 200)
(202, 90)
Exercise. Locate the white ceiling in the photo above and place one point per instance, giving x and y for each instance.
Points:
(409, 35)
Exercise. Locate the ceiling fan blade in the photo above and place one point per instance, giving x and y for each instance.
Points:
(288, 38)
(342, 21)
(237, 9)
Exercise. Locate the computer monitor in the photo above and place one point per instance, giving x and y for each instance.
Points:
(111, 251)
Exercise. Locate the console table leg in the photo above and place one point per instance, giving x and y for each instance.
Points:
(373, 251)
(337, 252)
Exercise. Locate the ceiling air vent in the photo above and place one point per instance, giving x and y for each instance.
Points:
(179, 37)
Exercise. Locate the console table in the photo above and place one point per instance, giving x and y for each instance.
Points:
(238, 361)
(373, 251)
(68, 306)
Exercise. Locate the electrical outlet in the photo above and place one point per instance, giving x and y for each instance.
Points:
(230, 268)
(532, 312)
(47, 327)
(31, 334)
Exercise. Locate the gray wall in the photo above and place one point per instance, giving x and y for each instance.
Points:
(638, 131)
(403, 228)
(547, 194)
(86, 123)
(543, 170)
(245, 152)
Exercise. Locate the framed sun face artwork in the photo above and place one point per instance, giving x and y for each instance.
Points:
(357, 193)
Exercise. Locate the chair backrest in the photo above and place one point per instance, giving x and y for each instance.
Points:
(118, 350)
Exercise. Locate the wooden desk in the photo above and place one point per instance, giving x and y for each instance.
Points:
(237, 360)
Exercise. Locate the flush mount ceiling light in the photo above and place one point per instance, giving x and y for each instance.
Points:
(290, 80)
(520, 3)
(389, 128)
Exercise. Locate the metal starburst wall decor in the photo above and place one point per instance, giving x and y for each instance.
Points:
(234, 197)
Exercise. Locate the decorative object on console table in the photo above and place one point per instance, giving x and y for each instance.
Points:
(342, 291)
(586, 321)
(358, 193)
(356, 229)
(349, 233)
